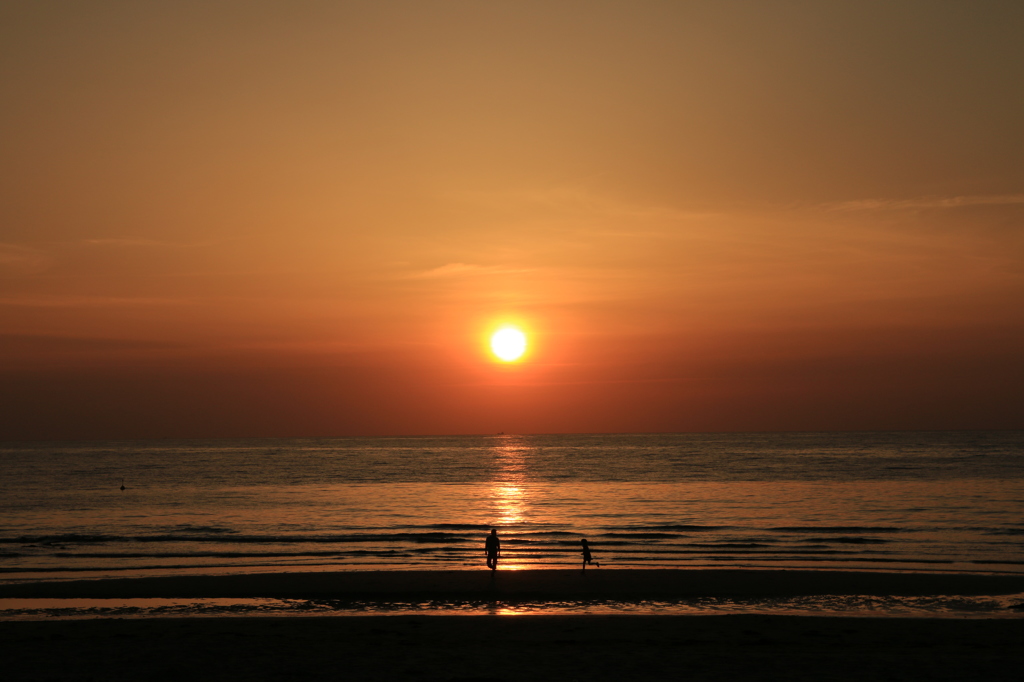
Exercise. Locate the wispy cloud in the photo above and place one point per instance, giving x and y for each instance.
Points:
(128, 242)
(582, 202)
(452, 270)
(22, 259)
(43, 343)
(927, 203)
(72, 301)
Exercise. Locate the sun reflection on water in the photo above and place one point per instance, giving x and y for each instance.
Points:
(509, 490)
(509, 504)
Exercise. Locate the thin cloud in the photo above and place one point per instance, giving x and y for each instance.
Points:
(579, 201)
(22, 259)
(42, 301)
(125, 241)
(451, 270)
(142, 242)
(927, 203)
(44, 343)
(129, 242)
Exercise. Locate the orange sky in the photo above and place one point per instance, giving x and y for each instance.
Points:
(300, 219)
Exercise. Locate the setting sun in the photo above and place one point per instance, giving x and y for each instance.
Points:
(508, 343)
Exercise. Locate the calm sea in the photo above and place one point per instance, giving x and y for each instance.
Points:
(921, 501)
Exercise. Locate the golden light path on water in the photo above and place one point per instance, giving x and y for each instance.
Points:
(509, 493)
(510, 503)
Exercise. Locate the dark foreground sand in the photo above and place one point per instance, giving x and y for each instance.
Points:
(733, 647)
(742, 647)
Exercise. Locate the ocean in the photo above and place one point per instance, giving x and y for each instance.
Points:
(896, 501)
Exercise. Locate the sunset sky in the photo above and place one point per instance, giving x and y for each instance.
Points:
(305, 218)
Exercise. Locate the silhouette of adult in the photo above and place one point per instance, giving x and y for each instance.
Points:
(493, 548)
(587, 558)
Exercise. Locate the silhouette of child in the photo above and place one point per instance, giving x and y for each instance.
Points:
(587, 558)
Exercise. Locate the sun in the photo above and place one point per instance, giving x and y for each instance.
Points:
(508, 343)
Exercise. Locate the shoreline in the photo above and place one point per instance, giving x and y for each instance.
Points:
(502, 646)
(595, 583)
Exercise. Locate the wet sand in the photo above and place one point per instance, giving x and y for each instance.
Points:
(540, 647)
(596, 583)
(739, 647)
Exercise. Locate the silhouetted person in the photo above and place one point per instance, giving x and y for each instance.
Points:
(122, 485)
(586, 554)
(493, 548)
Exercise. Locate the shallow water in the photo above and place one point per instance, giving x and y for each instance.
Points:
(905, 501)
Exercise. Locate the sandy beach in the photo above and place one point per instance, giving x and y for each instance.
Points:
(526, 648)
(557, 647)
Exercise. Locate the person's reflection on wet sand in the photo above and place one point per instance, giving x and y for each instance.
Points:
(493, 549)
